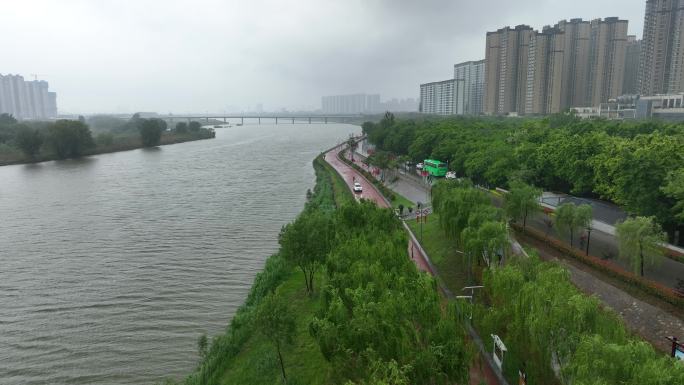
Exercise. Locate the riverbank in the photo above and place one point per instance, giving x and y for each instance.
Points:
(242, 355)
(124, 143)
(346, 330)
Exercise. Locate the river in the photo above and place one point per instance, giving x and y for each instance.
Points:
(112, 266)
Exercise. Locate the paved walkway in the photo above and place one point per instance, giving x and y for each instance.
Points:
(648, 321)
(479, 371)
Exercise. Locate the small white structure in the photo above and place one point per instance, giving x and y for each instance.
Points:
(499, 351)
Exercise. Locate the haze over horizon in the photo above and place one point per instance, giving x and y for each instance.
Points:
(210, 55)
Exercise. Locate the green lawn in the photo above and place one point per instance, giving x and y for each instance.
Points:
(443, 253)
(341, 191)
(400, 199)
(257, 363)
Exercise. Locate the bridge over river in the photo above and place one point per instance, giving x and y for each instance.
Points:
(270, 119)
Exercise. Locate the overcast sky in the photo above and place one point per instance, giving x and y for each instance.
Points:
(212, 55)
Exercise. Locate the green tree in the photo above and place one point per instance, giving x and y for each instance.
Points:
(181, 127)
(6, 119)
(640, 242)
(194, 126)
(29, 141)
(275, 320)
(570, 218)
(306, 242)
(104, 139)
(489, 241)
(151, 132)
(522, 201)
(353, 145)
(381, 160)
(675, 190)
(69, 138)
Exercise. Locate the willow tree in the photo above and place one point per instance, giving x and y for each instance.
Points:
(489, 241)
(456, 208)
(522, 201)
(640, 242)
(570, 218)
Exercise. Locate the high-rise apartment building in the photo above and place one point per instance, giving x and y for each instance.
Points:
(472, 75)
(351, 104)
(26, 99)
(577, 35)
(441, 98)
(543, 87)
(661, 68)
(606, 60)
(506, 69)
(630, 82)
(573, 64)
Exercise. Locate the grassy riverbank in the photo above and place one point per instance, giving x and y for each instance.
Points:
(9, 155)
(372, 317)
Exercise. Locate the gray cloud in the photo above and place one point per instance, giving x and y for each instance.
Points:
(205, 55)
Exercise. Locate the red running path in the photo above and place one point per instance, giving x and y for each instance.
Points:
(370, 192)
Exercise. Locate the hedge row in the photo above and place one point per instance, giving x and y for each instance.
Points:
(384, 190)
(650, 287)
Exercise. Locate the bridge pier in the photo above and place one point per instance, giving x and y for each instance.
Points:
(309, 120)
(276, 120)
(259, 120)
(242, 120)
(224, 119)
(292, 120)
(326, 120)
(206, 119)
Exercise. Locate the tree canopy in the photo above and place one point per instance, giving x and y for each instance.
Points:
(522, 201)
(306, 242)
(640, 242)
(151, 131)
(627, 162)
(69, 138)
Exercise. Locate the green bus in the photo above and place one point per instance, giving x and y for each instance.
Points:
(435, 167)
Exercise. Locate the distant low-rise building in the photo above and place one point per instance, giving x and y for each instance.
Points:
(26, 99)
(666, 107)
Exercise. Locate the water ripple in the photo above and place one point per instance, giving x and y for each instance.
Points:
(112, 266)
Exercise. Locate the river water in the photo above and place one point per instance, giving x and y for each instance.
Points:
(111, 266)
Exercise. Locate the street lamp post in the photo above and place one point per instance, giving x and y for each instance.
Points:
(588, 238)
(419, 214)
(470, 297)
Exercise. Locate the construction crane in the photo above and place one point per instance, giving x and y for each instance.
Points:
(35, 76)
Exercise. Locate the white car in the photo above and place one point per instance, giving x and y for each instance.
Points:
(419, 166)
(450, 175)
(357, 187)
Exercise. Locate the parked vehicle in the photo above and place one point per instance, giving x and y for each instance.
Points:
(357, 187)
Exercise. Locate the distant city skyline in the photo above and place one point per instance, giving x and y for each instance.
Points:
(150, 56)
